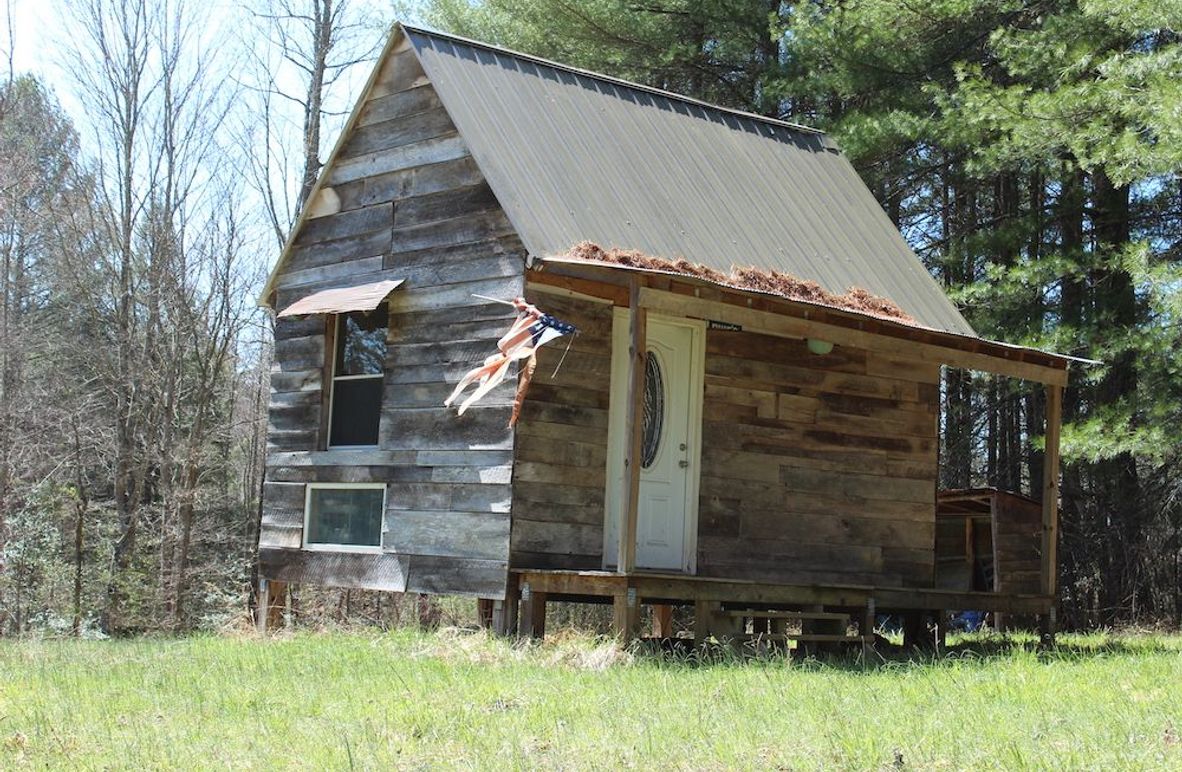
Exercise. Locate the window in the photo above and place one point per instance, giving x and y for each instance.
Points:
(358, 362)
(344, 516)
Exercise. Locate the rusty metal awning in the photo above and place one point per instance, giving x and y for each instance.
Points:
(340, 300)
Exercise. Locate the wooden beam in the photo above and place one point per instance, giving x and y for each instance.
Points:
(1050, 492)
(545, 281)
(633, 429)
(798, 328)
(660, 588)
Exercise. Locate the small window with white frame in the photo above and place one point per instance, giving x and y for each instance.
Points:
(359, 359)
(344, 516)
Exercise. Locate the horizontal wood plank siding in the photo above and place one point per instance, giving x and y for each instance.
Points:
(816, 468)
(561, 443)
(404, 200)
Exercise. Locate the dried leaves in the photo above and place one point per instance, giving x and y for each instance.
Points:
(750, 278)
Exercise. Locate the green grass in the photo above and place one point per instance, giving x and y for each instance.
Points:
(408, 699)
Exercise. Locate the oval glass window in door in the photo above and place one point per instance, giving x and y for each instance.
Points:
(654, 410)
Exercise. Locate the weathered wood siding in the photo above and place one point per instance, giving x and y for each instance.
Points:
(561, 456)
(1017, 543)
(404, 200)
(816, 468)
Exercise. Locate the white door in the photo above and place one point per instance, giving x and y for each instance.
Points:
(666, 519)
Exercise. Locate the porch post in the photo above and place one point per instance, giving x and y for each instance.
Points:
(1050, 512)
(633, 428)
(1050, 493)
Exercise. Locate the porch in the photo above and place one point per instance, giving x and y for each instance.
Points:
(725, 608)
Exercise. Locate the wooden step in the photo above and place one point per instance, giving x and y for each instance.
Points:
(817, 615)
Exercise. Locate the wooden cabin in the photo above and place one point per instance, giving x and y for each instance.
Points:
(770, 460)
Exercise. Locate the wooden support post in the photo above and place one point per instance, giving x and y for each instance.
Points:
(1048, 626)
(809, 627)
(262, 605)
(1050, 493)
(943, 623)
(505, 612)
(662, 621)
(484, 613)
(428, 612)
(498, 618)
(633, 429)
(703, 621)
(533, 613)
(272, 602)
(913, 630)
(835, 627)
(869, 621)
(626, 615)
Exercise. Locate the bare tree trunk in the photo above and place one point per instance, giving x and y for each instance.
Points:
(81, 504)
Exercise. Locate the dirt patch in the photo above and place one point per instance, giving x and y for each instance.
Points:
(750, 278)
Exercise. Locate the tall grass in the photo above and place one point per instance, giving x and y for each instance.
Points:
(452, 699)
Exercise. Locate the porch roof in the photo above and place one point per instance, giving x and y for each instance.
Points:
(805, 319)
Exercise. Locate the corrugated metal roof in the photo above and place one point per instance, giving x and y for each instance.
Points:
(575, 156)
(340, 300)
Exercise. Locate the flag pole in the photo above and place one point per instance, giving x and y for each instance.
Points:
(494, 300)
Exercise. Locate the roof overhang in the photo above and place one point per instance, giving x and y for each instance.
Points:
(341, 300)
(680, 294)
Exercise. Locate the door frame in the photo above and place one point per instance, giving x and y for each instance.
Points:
(617, 417)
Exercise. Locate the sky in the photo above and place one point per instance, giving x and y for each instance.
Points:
(40, 35)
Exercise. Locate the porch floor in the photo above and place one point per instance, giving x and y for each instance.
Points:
(533, 588)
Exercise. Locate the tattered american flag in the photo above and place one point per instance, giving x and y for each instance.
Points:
(531, 330)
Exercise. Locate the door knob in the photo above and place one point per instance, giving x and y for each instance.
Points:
(683, 463)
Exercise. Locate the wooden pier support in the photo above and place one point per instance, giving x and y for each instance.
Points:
(662, 621)
(869, 622)
(533, 613)
(626, 615)
(272, 602)
(484, 613)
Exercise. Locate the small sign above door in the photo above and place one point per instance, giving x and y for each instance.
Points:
(712, 324)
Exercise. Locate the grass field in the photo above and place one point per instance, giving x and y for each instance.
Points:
(453, 699)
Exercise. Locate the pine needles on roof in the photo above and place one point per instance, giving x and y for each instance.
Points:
(748, 278)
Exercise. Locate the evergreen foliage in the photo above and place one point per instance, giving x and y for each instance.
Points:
(1031, 151)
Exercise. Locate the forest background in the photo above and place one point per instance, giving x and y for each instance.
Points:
(157, 154)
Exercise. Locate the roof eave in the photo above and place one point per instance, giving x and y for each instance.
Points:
(397, 33)
(980, 345)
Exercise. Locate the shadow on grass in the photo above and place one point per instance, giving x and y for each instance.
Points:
(979, 648)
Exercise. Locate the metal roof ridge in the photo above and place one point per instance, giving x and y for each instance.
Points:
(427, 31)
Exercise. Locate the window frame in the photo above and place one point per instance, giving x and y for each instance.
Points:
(330, 547)
(331, 353)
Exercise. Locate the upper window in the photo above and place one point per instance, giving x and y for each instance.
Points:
(357, 378)
(344, 516)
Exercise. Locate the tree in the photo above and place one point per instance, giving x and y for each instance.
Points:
(314, 45)
(1030, 153)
